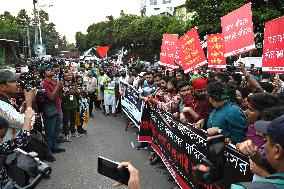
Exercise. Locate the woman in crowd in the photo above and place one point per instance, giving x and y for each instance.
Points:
(257, 105)
(82, 110)
(241, 97)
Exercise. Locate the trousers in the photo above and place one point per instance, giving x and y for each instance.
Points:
(52, 130)
(69, 117)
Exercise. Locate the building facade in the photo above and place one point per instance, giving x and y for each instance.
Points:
(157, 7)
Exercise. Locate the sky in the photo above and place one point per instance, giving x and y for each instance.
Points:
(71, 16)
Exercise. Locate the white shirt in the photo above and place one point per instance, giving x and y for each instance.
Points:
(91, 84)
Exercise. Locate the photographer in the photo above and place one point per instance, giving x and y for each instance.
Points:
(69, 106)
(51, 110)
(9, 146)
(134, 180)
(9, 88)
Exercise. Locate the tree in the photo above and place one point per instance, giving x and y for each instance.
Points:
(120, 35)
(99, 34)
(142, 36)
(10, 28)
(81, 41)
(145, 34)
(23, 15)
(15, 28)
(209, 12)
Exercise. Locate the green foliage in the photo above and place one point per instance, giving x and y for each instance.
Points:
(81, 41)
(140, 35)
(15, 28)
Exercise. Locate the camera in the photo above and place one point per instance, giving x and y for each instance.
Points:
(212, 166)
(33, 166)
(30, 81)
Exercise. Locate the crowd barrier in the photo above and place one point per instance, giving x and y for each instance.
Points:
(180, 146)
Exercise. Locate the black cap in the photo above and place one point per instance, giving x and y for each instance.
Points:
(7, 75)
(45, 66)
(274, 129)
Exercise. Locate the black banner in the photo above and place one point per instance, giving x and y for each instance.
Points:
(131, 105)
(181, 147)
(145, 130)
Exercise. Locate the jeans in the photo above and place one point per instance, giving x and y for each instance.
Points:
(52, 130)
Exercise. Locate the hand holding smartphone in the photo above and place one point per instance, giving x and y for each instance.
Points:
(109, 169)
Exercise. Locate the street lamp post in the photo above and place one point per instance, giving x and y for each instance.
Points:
(29, 41)
(39, 25)
(35, 19)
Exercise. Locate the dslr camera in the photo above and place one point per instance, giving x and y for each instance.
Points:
(212, 166)
(30, 81)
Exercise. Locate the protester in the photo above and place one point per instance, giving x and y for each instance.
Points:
(266, 83)
(274, 150)
(110, 96)
(101, 79)
(199, 107)
(92, 91)
(226, 118)
(169, 100)
(148, 87)
(258, 103)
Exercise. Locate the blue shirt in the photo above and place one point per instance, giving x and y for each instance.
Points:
(231, 120)
(148, 89)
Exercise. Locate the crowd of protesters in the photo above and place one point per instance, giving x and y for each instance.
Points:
(245, 105)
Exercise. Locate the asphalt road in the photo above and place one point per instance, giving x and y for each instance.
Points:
(77, 167)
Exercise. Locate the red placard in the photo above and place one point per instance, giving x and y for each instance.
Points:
(273, 46)
(215, 51)
(102, 50)
(168, 50)
(237, 30)
(190, 51)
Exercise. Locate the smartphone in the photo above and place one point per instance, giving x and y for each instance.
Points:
(215, 150)
(109, 169)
